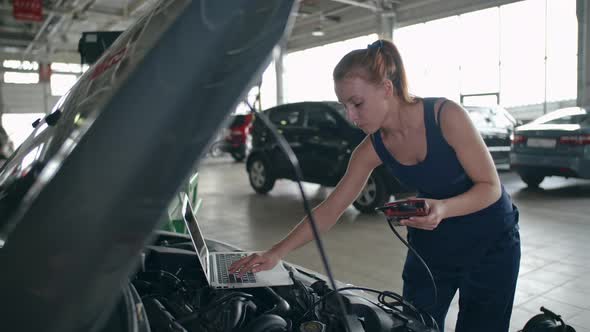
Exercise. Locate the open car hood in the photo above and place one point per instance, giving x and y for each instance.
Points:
(83, 194)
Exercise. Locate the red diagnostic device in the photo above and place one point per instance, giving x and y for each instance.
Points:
(404, 209)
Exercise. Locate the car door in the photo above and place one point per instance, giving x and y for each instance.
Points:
(288, 120)
(324, 144)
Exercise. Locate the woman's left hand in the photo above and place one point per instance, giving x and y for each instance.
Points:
(436, 212)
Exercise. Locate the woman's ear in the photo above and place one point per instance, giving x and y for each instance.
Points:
(389, 88)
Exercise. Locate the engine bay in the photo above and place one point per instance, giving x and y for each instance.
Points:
(176, 298)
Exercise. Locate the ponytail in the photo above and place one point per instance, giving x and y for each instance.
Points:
(379, 61)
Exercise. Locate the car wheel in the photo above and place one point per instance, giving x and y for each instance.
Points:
(216, 150)
(532, 180)
(373, 195)
(259, 174)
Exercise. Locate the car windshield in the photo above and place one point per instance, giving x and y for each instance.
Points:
(572, 115)
(480, 115)
(339, 108)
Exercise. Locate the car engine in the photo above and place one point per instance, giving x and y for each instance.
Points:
(176, 299)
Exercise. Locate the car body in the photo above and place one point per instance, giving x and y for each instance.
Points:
(496, 125)
(236, 140)
(323, 140)
(82, 198)
(556, 144)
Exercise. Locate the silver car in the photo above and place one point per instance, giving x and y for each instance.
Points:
(556, 144)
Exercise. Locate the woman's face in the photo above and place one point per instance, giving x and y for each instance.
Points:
(366, 103)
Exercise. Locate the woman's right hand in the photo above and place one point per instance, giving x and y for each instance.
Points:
(255, 262)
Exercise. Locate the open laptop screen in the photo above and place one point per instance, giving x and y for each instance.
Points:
(196, 235)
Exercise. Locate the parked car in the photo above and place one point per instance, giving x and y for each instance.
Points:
(83, 196)
(235, 139)
(556, 144)
(323, 140)
(496, 125)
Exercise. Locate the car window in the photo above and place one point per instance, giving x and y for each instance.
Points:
(319, 116)
(480, 116)
(286, 116)
(570, 115)
(570, 119)
(339, 108)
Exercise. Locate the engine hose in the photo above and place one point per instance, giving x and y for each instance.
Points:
(239, 310)
(281, 306)
(160, 318)
(267, 323)
(214, 304)
(162, 277)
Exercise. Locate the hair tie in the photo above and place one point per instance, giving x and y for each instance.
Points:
(376, 45)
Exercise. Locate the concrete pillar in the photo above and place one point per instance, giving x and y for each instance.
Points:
(1, 97)
(385, 23)
(278, 55)
(583, 13)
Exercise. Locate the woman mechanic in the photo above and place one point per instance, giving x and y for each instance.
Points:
(469, 238)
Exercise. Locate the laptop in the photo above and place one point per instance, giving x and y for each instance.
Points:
(215, 264)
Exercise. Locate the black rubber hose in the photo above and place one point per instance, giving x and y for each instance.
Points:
(267, 323)
(281, 306)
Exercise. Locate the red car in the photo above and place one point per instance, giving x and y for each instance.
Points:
(235, 138)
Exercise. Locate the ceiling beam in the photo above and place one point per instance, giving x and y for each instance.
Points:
(41, 30)
(313, 18)
(358, 4)
(94, 11)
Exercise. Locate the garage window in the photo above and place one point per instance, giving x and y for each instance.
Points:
(61, 83)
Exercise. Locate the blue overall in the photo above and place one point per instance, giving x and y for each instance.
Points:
(478, 254)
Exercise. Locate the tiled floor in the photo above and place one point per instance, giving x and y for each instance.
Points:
(555, 235)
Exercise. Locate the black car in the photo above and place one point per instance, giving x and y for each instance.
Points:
(323, 140)
(555, 144)
(496, 126)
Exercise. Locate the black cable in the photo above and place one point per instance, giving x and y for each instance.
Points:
(305, 292)
(435, 289)
(313, 276)
(399, 299)
(214, 304)
(416, 311)
(434, 323)
(381, 293)
(286, 149)
(178, 283)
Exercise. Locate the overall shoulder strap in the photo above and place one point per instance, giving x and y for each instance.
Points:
(440, 109)
(381, 150)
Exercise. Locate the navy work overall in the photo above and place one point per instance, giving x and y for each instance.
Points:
(477, 254)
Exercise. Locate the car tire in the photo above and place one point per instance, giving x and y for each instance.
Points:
(260, 176)
(373, 195)
(532, 180)
(216, 150)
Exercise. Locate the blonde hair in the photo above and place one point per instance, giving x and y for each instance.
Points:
(379, 61)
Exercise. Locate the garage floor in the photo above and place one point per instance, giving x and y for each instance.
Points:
(555, 234)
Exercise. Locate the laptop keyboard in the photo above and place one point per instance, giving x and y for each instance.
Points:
(224, 261)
